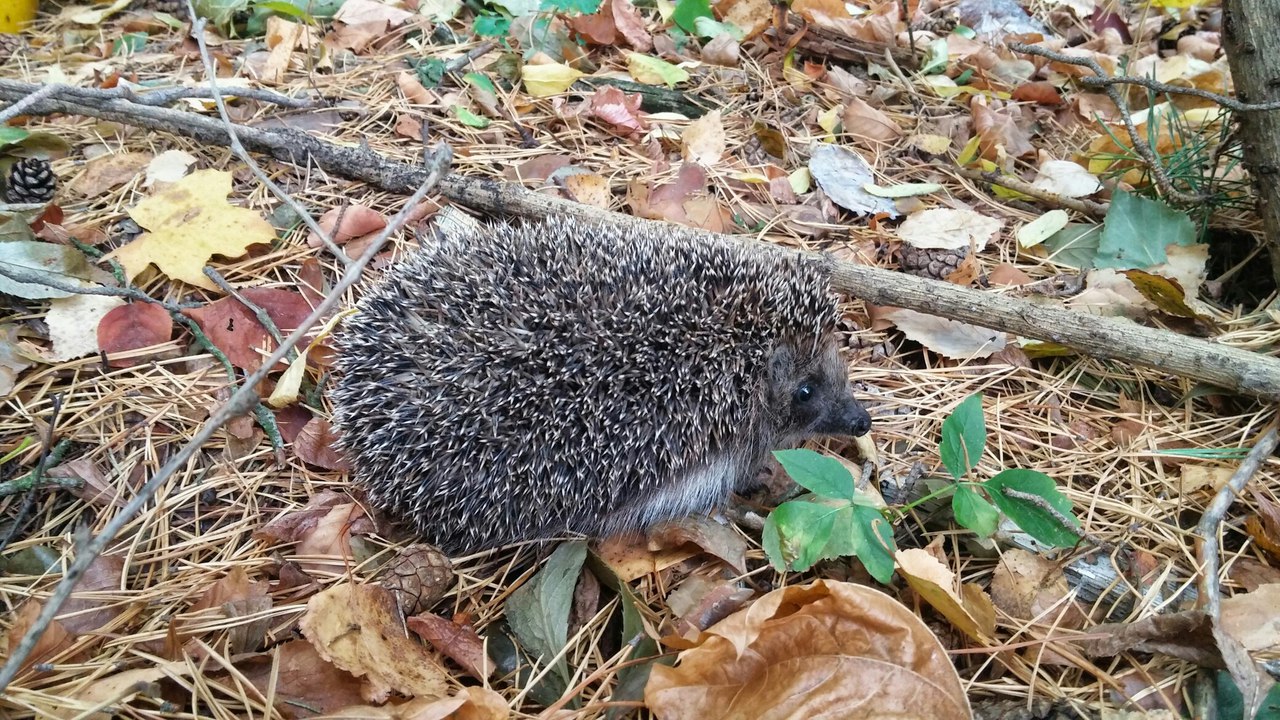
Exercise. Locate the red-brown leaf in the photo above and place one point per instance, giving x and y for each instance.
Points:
(133, 326)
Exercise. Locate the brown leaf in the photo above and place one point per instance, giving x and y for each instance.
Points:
(863, 121)
(598, 28)
(458, 641)
(712, 537)
(965, 606)
(291, 419)
(315, 445)
(357, 221)
(539, 168)
(358, 629)
(302, 678)
(1187, 635)
(1252, 619)
(1042, 92)
(630, 24)
(324, 535)
(629, 558)
(235, 330)
(1026, 585)
(999, 130)
(90, 608)
(470, 703)
(53, 641)
(109, 171)
(828, 649)
(98, 490)
(619, 111)
(294, 525)
(133, 326)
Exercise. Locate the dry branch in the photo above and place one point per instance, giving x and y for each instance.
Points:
(1231, 368)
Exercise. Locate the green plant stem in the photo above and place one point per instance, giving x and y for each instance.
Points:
(940, 492)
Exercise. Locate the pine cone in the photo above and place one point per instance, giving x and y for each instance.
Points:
(31, 180)
(936, 263)
(419, 575)
(10, 44)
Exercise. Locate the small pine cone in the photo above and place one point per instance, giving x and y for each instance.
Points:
(31, 180)
(419, 575)
(936, 263)
(10, 44)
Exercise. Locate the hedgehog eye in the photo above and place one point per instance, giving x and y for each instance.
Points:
(803, 393)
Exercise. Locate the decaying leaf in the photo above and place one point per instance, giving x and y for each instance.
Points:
(968, 608)
(190, 222)
(302, 678)
(949, 338)
(457, 640)
(358, 628)
(826, 649)
(949, 229)
(703, 141)
(73, 324)
(843, 174)
(713, 537)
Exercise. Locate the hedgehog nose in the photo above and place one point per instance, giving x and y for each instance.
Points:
(857, 420)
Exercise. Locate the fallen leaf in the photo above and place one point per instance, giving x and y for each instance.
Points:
(356, 221)
(630, 558)
(1026, 586)
(703, 141)
(90, 608)
(949, 228)
(59, 263)
(589, 189)
(1187, 635)
(189, 222)
(863, 121)
(358, 629)
(826, 649)
(117, 690)
(133, 326)
(73, 324)
(949, 338)
(235, 330)
(538, 611)
(168, 167)
(969, 608)
(619, 110)
(722, 50)
(315, 445)
(108, 171)
(12, 359)
(712, 537)
(301, 678)
(843, 175)
(630, 24)
(1251, 618)
(470, 703)
(1042, 228)
(548, 79)
(653, 71)
(458, 641)
(1065, 178)
(55, 639)
(97, 490)
(358, 12)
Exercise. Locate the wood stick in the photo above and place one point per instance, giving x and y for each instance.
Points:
(1230, 368)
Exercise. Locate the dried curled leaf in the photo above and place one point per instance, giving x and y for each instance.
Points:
(827, 649)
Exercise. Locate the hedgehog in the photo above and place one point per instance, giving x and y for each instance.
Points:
(526, 381)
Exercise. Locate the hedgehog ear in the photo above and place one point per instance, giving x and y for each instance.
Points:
(782, 364)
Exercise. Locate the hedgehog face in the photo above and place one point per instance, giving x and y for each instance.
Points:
(809, 395)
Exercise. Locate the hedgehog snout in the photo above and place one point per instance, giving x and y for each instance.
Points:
(856, 419)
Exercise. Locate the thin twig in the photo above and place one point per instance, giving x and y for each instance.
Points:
(36, 476)
(197, 31)
(1210, 586)
(1223, 100)
(1139, 145)
(1062, 519)
(1013, 182)
(30, 482)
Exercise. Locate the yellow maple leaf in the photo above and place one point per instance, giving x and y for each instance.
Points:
(189, 222)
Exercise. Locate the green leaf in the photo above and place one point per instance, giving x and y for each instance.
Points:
(1231, 701)
(817, 473)
(129, 43)
(44, 260)
(800, 533)
(480, 81)
(581, 7)
(964, 436)
(220, 12)
(974, 512)
(687, 13)
(873, 538)
(430, 72)
(539, 610)
(517, 8)
(491, 26)
(1137, 230)
(1031, 518)
(706, 27)
(651, 70)
(1075, 245)
(10, 135)
(469, 118)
